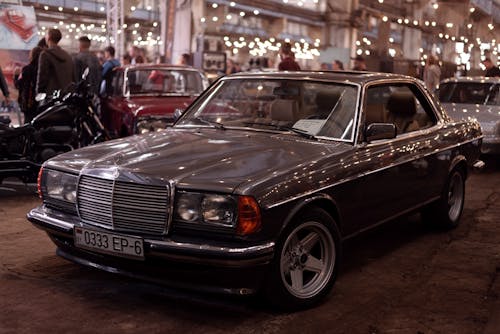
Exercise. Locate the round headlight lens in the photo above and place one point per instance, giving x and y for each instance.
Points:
(218, 209)
(188, 207)
(61, 186)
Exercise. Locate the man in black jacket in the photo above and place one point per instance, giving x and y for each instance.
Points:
(491, 69)
(55, 68)
(85, 59)
(4, 87)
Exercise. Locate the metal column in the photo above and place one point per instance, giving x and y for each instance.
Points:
(115, 21)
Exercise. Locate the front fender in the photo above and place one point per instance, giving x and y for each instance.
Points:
(321, 200)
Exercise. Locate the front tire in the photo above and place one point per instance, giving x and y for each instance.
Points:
(446, 212)
(305, 266)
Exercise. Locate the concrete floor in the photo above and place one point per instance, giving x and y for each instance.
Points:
(399, 278)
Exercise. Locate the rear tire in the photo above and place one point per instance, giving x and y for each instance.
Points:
(446, 212)
(305, 265)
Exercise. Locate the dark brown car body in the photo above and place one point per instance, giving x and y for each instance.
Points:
(359, 183)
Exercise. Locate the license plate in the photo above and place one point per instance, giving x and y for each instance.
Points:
(109, 243)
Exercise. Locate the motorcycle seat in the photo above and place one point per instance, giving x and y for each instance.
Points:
(14, 131)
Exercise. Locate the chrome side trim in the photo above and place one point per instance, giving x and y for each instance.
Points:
(479, 164)
(416, 157)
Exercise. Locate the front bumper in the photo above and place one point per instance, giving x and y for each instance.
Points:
(179, 263)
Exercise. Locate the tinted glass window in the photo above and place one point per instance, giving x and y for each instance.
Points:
(404, 105)
(317, 108)
(164, 82)
(466, 92)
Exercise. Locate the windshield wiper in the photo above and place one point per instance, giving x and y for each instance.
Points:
(216, 125)
(301, 132)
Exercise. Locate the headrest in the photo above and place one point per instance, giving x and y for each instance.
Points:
(284, 110)
(402, 103)
(326, 99)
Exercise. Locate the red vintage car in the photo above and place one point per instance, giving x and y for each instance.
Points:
(143, 98)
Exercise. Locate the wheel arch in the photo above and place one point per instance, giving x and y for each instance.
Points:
(459, 162)
(323, 201)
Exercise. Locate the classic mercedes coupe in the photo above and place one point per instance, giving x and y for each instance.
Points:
(259, 182)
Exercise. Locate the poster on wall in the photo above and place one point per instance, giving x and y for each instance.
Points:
(18, 35)
(18, 30)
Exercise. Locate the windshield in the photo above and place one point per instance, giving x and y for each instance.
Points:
(314, 108)
(469, 93)
(164, 82)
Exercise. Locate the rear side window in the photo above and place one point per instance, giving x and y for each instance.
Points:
(467, 92)
(404, 105)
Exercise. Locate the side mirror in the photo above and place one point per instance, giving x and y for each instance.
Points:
(376, 131)
(178, 113)
(85, 73)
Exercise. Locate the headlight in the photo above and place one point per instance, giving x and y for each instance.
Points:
(59, 185)
(218, 209)
(206, 209)
(146, 125)
(240, 213)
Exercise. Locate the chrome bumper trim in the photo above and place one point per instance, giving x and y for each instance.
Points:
(161, 248)
(479, 164)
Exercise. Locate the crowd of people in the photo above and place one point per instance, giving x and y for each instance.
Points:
(51, 68)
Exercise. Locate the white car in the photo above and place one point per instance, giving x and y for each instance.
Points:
(475, 97)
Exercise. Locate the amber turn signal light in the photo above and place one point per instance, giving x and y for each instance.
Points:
(39, 182)
(249, 219)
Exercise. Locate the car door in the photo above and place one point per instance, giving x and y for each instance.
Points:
(402, 170)
(113, 105)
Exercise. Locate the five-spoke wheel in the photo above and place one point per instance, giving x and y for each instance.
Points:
(306, 260)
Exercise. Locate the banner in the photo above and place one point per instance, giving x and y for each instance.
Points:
(18, 30)
(18, 35)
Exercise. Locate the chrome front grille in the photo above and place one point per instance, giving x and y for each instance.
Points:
(123, 206)
(94, 201)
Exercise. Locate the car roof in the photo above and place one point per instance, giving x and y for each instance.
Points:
(347, 76)
(158, 67)
(477, 79)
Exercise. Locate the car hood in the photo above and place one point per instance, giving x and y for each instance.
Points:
(203, 159)
(161, 105)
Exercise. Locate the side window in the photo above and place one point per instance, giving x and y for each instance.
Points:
(494, 97)
(118, 84)
(404, 105)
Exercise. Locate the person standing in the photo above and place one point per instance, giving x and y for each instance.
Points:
(55, 67)
(25, 82)
(288, 62)
(133, 53)
(4, 87)
(359, 64)
(491, 69)
(85, 59)
(432, 73)
(107, 68)
(337, 65)
(185, 59)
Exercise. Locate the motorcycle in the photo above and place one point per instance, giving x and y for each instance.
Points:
(65, 122)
